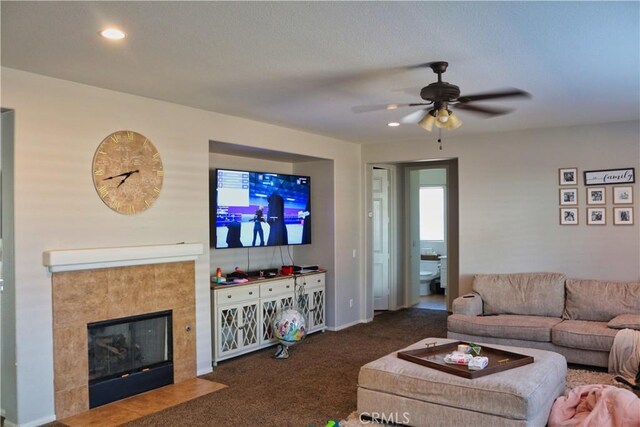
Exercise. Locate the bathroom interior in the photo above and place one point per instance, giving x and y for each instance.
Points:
(433, 242)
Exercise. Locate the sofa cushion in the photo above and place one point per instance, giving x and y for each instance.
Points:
(584, 335)
(535, 294)
(624, 321)
(600, 301)
(528, 328)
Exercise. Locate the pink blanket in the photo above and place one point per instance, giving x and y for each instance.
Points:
(596, 405)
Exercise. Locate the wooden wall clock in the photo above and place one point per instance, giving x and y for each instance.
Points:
(127, 172)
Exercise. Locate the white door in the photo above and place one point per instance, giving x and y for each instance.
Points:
(380, 239)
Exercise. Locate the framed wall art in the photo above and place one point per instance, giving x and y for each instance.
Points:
(596, 196)
(568, 196)
(610, 176)
(623, 216)
(623, 195)
(568, 216)
(596, 216)
(568, 176)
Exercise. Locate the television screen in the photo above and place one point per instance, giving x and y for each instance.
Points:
(252, 209)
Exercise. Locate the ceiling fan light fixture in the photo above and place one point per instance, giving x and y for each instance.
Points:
(454, 122)
(428, 121)
(443, 114)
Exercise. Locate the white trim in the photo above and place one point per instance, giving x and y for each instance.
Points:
(44, 420)
(204, 371)
(85, 259)
(345, 326)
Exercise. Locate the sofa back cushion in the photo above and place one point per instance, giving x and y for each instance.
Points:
(533, 294)
(599, 300)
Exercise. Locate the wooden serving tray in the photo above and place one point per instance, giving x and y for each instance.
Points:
(432, 356)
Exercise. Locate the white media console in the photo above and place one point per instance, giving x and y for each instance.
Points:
(242, 314)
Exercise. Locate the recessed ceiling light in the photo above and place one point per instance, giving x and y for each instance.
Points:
(112, 34)
(393, 124)
(392, 106)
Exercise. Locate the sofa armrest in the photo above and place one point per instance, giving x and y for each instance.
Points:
(469, 304)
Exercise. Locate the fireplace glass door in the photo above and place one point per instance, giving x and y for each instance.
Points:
(123, 349)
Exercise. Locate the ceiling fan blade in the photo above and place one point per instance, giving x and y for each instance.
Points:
(488, 111)
(507, 93)
(415, 117)
(368, 108)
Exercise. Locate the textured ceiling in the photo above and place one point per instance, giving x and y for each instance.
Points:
(305, 65)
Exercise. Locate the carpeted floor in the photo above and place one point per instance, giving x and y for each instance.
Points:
(317, 383)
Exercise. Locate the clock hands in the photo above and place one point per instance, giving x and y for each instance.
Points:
(126, 176)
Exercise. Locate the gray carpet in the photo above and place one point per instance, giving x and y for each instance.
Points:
(317, 383)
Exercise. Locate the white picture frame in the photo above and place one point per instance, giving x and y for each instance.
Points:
(568, 216)
(596, 216)
(623, 195)
(568, 196)
(568, 176)
(623, 216)
(596, 195)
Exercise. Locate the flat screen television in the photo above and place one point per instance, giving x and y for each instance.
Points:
(252, 209)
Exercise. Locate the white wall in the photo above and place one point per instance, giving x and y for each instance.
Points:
(508, 186)
(59, 124)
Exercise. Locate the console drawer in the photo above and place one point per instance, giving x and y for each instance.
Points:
(236, 294)
(276, 288)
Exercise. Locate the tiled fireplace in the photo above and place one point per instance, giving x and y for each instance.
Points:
(88, 296)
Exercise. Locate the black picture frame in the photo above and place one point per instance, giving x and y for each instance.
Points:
(610, 176)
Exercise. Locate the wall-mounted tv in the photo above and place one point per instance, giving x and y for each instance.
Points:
(252, 209)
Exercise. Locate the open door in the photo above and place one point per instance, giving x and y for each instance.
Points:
(380, 238)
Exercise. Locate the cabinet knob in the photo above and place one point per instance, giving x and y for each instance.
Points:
(318, 280)
(288, 286)
(228, 296)
(250, 292)
(270, 289)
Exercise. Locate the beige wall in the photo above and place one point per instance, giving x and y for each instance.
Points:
(509, 199)
(58, 126)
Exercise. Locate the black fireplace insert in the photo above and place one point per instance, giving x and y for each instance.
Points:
(128, 356)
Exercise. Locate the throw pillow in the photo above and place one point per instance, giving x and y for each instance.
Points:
(624, 321)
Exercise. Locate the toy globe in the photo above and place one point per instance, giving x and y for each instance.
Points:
(289, 328)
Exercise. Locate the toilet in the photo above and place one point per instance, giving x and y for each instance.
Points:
(429, 270)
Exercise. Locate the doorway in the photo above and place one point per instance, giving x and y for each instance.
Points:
(431, 234)
(8, 379)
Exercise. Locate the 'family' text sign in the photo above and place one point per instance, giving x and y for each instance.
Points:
(610, 176)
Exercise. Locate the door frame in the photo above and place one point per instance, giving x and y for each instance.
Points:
(452, 229)
(367, 308)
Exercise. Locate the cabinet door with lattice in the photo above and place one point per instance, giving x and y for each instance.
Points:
(237, 328)
(313, 302)
(270, 308)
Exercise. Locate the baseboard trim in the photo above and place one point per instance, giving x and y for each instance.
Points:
(345, 326)
(205, 371)
(44, 420)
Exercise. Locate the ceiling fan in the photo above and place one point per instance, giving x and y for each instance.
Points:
(441, 96)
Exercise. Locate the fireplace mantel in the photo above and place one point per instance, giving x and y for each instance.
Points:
(86, 259)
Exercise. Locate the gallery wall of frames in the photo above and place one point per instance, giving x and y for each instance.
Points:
(606, 196)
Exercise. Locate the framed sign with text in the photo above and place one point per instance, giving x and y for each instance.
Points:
(610, 176)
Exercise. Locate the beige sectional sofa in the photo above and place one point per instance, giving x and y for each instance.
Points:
(576, 318)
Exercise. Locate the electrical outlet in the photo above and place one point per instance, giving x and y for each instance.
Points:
(351, 303)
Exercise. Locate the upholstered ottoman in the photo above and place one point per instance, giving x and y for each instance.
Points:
(404, 392)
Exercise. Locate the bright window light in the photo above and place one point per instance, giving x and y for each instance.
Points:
(431, 213)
